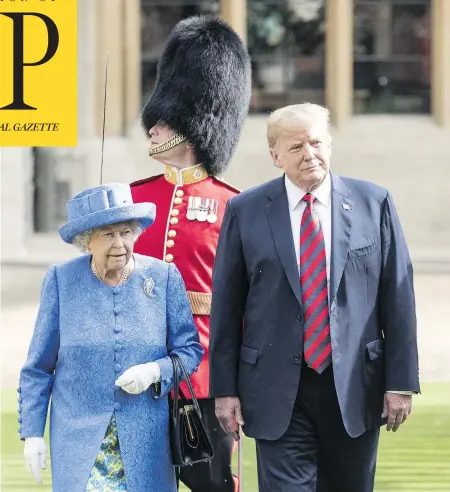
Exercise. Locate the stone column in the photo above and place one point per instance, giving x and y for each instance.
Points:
(339, 60)
(235, 13)
(110, 35)
(132, 64)
(440, 63)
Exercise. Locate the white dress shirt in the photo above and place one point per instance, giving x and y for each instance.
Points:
(322, 207)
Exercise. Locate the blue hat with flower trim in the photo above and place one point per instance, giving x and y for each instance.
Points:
(104, 205)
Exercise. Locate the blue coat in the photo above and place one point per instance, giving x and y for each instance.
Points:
(86, 335)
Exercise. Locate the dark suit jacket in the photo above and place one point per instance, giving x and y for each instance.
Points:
(372, 307)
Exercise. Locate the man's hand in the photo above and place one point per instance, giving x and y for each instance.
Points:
(228, 412)
(396, 408)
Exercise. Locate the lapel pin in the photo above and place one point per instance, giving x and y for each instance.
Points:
(346, 206)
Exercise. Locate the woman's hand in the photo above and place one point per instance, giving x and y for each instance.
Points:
(138, 378)
(35, 454)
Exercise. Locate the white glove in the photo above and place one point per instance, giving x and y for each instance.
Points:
(138, 378)
(35, 454)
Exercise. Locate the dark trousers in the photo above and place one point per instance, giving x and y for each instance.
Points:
(316, 454)
(214, 476)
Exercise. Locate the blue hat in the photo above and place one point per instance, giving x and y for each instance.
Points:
(104, 205)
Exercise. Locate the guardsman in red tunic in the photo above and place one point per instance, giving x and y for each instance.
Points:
(194, 119)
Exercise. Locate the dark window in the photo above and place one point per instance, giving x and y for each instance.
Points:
(286, 45)
(158, 18)
(392, 56)
(50, 192)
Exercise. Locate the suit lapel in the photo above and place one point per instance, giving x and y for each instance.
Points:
(341, 227)
(277, 211)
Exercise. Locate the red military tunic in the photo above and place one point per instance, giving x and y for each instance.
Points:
(185, 231)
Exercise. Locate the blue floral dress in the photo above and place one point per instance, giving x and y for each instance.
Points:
(108, 475)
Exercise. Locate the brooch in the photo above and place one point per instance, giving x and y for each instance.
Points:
(149, 285)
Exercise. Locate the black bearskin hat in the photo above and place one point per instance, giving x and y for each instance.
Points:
(203, 89)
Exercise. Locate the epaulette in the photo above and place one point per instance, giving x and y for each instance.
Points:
(146, 180)
(228, 185)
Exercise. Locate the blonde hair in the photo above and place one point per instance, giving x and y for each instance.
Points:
(295, 116)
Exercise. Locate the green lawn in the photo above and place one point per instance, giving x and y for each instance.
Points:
(415, 458)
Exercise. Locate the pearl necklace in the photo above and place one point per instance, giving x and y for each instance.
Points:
(125, 273)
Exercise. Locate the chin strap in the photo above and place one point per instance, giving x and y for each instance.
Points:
(174, 140)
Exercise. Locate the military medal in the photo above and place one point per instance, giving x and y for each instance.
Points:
(191, 213)
(212, 212)
(202, 213)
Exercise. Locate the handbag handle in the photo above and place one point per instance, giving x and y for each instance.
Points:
(177, 363)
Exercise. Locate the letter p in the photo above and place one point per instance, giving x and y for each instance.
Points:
(18, 62)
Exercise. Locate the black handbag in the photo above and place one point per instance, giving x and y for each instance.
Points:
(189, 439)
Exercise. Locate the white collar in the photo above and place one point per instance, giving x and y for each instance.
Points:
(295, 194)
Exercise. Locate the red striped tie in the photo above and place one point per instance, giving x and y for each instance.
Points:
(313, 282)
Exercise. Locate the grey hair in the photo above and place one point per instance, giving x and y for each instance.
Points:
(81, 241)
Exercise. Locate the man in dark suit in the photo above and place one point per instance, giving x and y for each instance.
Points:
(313, 325)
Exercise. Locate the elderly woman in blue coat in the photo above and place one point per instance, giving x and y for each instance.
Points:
(107, 323)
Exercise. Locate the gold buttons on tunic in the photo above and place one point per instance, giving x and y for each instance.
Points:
(177, 201)
(172, 233)
(179, 193)
(174, 212)
(174, 220)
(169, 258)
(170, 243)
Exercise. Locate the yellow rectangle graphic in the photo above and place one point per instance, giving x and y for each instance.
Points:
(38, 73)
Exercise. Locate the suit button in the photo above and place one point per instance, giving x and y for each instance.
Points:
(117, 405)
(170, 243)
(117, 329)
(177, 200)
(116, 310)
(174, 212)
(174, 220)
(172, 233)
(117, 346)
(179, 193)
(299, 318)
(117, 367)
(296, 357)
(18, 390)
(116, 290)
(169, 258)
